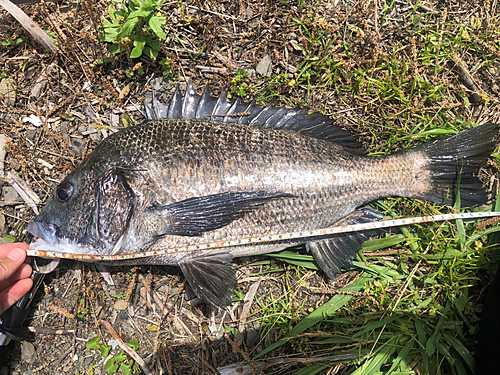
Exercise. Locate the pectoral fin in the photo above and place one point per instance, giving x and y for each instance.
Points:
(195, 216)
(336, 253)
(211, 277)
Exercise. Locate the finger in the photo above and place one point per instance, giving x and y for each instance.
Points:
(23, 272)
(10, 262)
(14, 293)
(4, 249)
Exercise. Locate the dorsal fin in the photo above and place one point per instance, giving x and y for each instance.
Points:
(207, 107)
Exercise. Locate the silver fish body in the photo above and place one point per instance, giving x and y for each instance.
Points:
(187, 177)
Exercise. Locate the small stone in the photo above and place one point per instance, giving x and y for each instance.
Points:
(250, 71)
(6, 118)
(265, 67)
(28, 352)
(163, 288)
(77, 145)
(64, 131)
(113, 343)
(252, 339)
(10, 195)
(31, 134)
(120, 305)
(82, 128)
(162, 85)
(96, 137)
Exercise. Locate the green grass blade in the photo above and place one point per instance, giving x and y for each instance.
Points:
(318, 315)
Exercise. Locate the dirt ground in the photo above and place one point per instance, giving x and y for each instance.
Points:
(81, 101)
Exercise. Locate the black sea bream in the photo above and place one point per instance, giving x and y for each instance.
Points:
(204, 170)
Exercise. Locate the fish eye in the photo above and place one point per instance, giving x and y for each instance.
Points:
(64, 191)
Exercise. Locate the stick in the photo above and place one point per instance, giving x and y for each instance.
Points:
(30, 26)
(125, 348)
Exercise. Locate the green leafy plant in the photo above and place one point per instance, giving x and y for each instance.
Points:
(11, 42)
(9, 238)
(239, 86)
(134, 28)
(118, 361)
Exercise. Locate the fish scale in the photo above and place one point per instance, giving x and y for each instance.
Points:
(197, 185)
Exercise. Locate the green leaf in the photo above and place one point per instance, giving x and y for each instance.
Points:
(140, 13)
(112, 11)
(126, 368)
(137, 50)
(155, 25)
(128, 28)
(105, 349)
(133, 344)
(9, 238)
(151, 53)
(111, 366)
(154, 44)
(93, 343)
(115, 48)
(461, 349)
(120, 357)
(382, 243)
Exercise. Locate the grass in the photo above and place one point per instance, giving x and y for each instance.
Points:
(421, 316)
(414, 301)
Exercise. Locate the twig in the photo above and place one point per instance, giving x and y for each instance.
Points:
(247, 303)
(30, 26)
(51, 331)
(24, 191)
(3, 142)
(125, 348)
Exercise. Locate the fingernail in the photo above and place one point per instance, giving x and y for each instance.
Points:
(15, 254)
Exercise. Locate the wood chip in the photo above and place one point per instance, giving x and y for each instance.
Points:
(25, 192)
(247, 304)
(105, 273)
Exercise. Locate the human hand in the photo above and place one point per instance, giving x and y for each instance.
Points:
(15, 274)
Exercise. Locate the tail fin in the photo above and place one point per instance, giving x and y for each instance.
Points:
(454, 163)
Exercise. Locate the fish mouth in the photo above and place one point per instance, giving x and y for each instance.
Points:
(44, 231)
(48, 240)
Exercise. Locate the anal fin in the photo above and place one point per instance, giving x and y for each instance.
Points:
(211, 277)
(337, 252)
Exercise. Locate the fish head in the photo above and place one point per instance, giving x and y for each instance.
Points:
(90, 211)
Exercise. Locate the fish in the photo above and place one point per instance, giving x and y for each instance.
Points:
(204, 170)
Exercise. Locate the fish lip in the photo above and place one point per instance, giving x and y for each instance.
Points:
(45, 231)
(48, 240)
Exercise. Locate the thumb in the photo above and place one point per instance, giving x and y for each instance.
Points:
(10, 262)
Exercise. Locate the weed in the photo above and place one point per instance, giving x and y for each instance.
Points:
(119, 360)
(134, 28)
(11, 42)
(239, 84)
